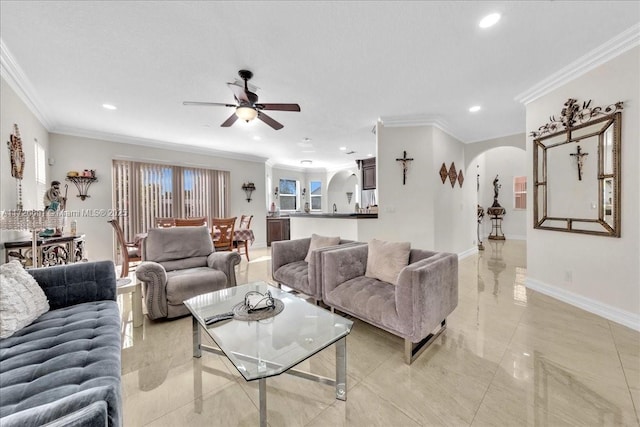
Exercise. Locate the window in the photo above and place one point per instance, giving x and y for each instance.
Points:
(41, 172)
(288, 195)
(520, 192)
(316, 195)
(147, 191)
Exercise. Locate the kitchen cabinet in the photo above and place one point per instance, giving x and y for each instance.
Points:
(277, 229)
(368, 167)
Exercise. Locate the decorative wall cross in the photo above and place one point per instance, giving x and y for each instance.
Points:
(580, 158)
(405, 166)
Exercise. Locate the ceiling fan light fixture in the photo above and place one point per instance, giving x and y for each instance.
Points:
(246, 113)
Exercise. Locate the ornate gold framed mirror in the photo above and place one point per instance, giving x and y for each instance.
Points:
(576, 171)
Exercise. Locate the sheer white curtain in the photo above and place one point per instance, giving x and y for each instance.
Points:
(146, 191)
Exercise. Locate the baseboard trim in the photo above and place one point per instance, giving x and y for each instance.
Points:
(464, 254)
(628, 319)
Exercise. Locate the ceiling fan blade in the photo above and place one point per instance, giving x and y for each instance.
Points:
(268, 120)
(208, 104)
(279, 107)
(231, 120)
(238, 92)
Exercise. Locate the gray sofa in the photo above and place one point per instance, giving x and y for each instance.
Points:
(64, 368)
(289, 268)
(414, 309)
(179, 263)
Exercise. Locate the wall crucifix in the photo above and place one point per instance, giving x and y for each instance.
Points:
(405, 166)
(580, 158)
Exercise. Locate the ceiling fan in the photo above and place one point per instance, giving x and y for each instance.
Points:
(247, 107)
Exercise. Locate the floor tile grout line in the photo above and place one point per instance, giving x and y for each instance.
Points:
(498, 365)
(624, 372)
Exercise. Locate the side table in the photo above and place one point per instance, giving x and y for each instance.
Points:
(127, 286)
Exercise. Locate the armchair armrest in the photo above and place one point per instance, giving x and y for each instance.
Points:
(287, 251)
(71, 284)
(315, 264)
(427, 292)
(154, 284)
(225, 262)
(342, 264)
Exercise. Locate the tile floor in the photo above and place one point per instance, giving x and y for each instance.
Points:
(509, 357)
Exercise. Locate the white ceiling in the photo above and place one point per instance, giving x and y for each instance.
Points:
(347, 64)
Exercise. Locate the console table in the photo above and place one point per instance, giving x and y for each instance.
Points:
(65, 249)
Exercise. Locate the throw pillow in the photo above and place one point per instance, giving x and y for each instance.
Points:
(22, 300)
(386, 259)
(320, 242)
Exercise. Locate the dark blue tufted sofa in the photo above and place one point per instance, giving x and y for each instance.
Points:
(64, 369)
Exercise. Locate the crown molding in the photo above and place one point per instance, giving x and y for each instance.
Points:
(621, 43)
(18, 81)
(418, 120)
(83, 133)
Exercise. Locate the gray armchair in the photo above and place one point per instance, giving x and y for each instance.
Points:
(179, 263)
(414, 309)
(289, 268)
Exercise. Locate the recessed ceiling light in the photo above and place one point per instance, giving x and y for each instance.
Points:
(109, 107)
(306, 162)
(256, 138)
(489, 20)
(475, 109)
(343, 148)
(369, 155)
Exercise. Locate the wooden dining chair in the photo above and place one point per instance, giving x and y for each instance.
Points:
(165, 222)
(129, 251)
(245, 224)
(191, 222)
(222, 233)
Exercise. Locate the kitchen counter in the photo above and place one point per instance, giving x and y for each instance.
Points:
(352, 215)
(349, 226)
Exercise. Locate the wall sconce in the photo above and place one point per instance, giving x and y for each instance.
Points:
(304, 191)
(275, 193)
(349, 196)
(248, 188)
(82, 181)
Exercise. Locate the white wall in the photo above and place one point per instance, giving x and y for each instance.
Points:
(13, 110)
(600, 274)
(506, 162)
(79, 153)
(425, 212)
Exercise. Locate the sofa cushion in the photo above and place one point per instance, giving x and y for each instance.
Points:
(386, 259)
(369, 299)
(318, 241)
(21, 299)
(66, 360)
(165, 244)
(294, 275)
(187, 283)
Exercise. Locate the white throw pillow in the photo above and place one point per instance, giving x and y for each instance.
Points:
(387, 259)
(320, 242)
(22, 300)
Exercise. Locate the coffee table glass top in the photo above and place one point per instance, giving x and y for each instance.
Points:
(268, 347)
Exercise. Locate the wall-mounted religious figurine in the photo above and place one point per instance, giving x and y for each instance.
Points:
(405, 166)
(453, 174)
(16, 156)
(583, 142)
(444, 173)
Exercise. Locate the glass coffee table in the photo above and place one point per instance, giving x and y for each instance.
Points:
(269, 347)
